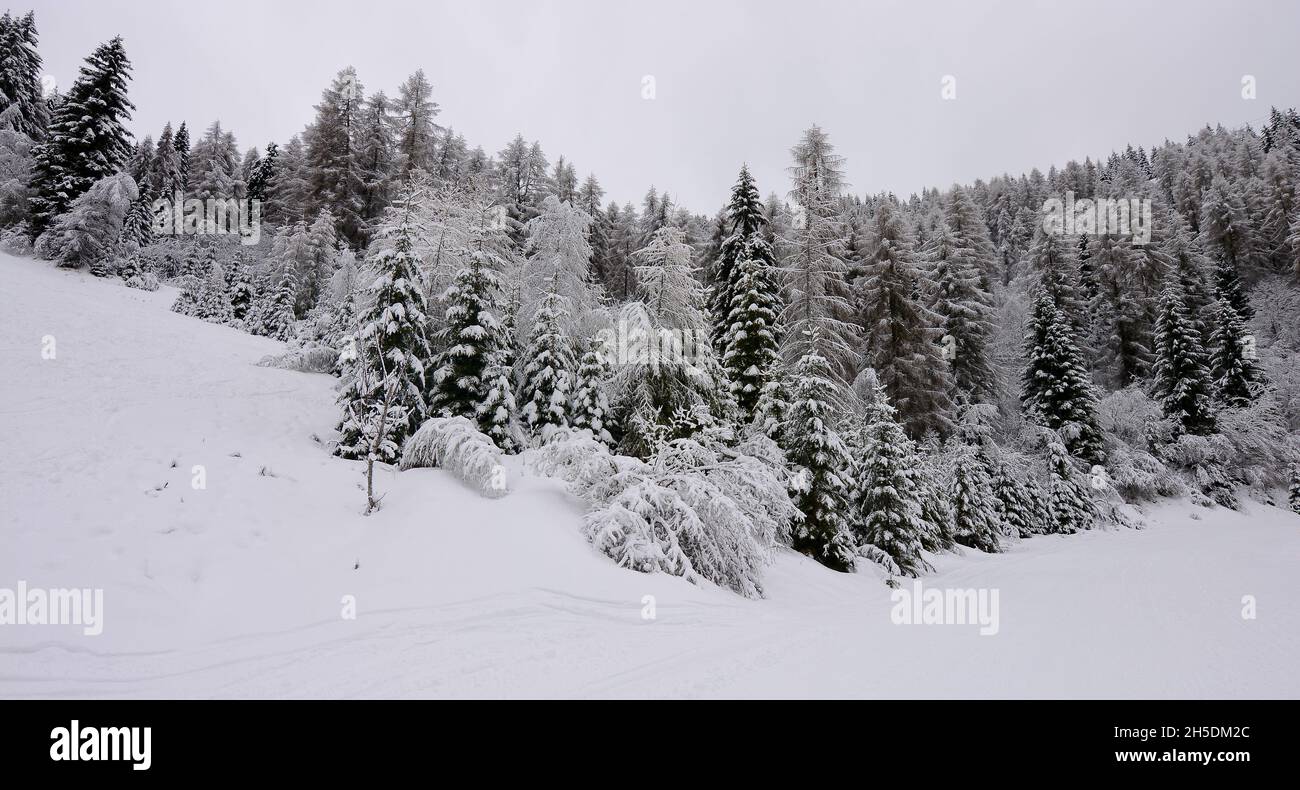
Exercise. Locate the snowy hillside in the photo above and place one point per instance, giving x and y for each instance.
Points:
(237, 589)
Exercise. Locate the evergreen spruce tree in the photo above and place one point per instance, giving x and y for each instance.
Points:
(752, 342)
(182, 145)
(902, 334)
(243, 291)
(590, 406)
(1225, 226)
(87, 139)
(888, 496)
(824, 486)
(259, 179)
(1049, 256)
(213, 297)
(1056, 391)
(1070, 508)
(743, 218)
(22, 105)
(548, 367)
(965, 311)
(1010, 502)
(1181, 380)
(392, 351)
(276, 316)
(1237, 377)
(1227, 286)
(469, 340)
(975, 520)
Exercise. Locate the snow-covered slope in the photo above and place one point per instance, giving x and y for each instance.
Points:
(237, 589)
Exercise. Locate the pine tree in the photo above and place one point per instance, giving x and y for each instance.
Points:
(1181, 381)
(964, 310)
(1010, 502)
(497, 413)
(752, 343)
(276, 316)
(970, 239)
(469, 340)
(1056, 391)
(182, 145)
(22, 105)
(743, 218)
(1227, 286)
(1189, 268)
(888, 495)
(548, 368)
(1070, 508)
(1235, 369)
(815, 269)
(165, 178)
(824, 485)
(1049, 256)
(376, 154)
(89, 232)
(974, 515)
(87, 139)
(590, 405)
(392, 351)
(334, 177)
(213, 297)
(413, 114)
(1225, 226)
(243, 292)
(262, 174)
(902, 334)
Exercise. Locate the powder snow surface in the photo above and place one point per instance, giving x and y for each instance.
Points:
(237, 590)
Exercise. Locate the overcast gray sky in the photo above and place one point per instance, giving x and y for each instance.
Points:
(1036, 83)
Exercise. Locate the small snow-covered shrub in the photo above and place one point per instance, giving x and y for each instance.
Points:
(700, 512)
(145, 281)
(16, 240)
(455, 444)
(1139, 476)
(89, 231)
(312, 358)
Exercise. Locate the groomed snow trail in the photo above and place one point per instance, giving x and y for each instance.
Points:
(237, 589)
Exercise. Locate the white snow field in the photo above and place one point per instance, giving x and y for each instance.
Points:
(237, 590)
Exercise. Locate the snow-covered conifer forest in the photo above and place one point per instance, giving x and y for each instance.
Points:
(377, 409)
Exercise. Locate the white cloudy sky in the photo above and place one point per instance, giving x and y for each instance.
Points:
(1036, 84)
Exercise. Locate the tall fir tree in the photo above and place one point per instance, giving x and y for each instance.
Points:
(548, 367)
(903, 335)
(470, 338)
(392, 351)
(1056, 390)
(22, 104)
(1070, 508)
(87, 138)
(590, 405)
(1181, 374)
(1237, 377)
(824, 486)
(888, 495)
(965, 311)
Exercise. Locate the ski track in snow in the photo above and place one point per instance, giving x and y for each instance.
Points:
(236, 590)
